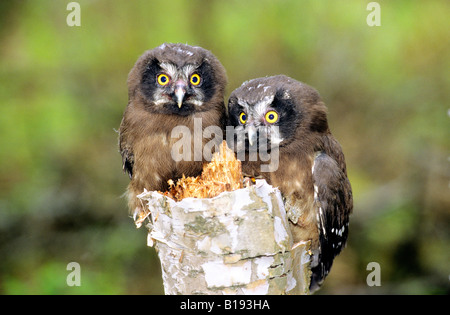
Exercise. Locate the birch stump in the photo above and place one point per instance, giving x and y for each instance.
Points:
(234, 241)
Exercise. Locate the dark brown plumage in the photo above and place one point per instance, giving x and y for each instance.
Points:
(168, 86)
(288, 119)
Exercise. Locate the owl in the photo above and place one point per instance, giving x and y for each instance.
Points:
(280, 119)
(171, 86)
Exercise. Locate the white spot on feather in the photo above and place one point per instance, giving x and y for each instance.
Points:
(183, 51)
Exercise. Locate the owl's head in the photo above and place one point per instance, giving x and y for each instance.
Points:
(177, 79)
(275, 110)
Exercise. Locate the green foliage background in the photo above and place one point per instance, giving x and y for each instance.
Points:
(63, 92)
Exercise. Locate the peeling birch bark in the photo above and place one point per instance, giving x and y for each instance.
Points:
(236, 243)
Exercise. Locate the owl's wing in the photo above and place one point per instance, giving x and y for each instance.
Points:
(126, 151)
(333, 197)
(127, 162)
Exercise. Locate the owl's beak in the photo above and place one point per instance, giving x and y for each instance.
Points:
(252, 134)
(180, 91)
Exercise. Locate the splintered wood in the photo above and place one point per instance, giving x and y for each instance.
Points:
(238, 242)
(228, 239)
(223, 173)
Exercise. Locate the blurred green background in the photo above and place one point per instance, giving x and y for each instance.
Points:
(63, 91)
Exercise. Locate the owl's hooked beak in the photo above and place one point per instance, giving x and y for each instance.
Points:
(252, 134)
(180, 91)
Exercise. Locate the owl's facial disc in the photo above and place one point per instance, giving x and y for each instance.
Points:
(179, 89)
(263, 118)
(261, 122)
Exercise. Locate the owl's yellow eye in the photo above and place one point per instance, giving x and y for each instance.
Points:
(271, 116)
(195, 79)
(243, 117)
(163, 79)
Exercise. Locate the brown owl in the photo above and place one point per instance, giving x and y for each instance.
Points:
(282, 135)
(171, 86)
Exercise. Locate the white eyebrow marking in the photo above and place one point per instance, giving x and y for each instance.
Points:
(171, 69)
(261, 106)
(188, 70)
(242, 103)
(174, 73)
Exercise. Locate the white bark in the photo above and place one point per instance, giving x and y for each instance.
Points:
(236, 243)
